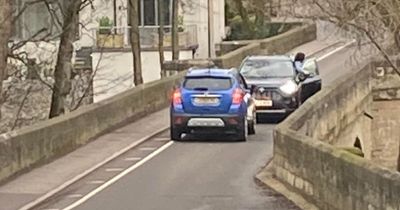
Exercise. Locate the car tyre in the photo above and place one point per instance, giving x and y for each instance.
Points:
(243, 131)
(176, 135)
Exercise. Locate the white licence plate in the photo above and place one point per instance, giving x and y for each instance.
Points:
(263, 103)
(206, 100)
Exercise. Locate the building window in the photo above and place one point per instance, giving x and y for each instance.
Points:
(148, 12)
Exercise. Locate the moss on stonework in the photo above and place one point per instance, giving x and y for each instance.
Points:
(353, 150)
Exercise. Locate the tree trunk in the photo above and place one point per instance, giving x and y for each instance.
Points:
(62, 72)
(161, 36)
(5, 33)
(260, 9)
(175, 33)
(242, 11)
(133, 11)
(115, 15)
(398, 161)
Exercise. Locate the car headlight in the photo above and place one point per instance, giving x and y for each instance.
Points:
(289, 87)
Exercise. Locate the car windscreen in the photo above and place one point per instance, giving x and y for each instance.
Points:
(267, 69)
(207, 83)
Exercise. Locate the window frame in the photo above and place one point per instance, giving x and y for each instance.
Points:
(142, 13)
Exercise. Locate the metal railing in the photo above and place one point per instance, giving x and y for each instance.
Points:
(118, 37)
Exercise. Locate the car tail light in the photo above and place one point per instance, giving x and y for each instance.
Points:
(237, 96)
(177, 97)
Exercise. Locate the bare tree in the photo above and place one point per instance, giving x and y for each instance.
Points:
(161, 36)
(175, 35)
(5, 33)
(133, 13)
(376, 22)
(62, 73)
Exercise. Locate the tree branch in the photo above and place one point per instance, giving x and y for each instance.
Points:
(21, 105)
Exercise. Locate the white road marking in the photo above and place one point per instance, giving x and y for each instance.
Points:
(74, 196)
(114, 169)
(147, 148)
(118, 177)
(131, 159)
(95, 182)
(336, 50)
(162, 139)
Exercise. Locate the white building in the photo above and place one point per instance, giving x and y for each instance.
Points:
(113, 62)
(194, 13)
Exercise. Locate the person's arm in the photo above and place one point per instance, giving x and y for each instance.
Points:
(299, 66)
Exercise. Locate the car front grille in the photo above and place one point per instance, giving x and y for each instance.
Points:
(278, 100)
(267, 94)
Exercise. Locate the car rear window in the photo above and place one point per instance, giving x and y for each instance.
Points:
(207, 83)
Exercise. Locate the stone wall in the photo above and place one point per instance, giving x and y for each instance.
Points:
(331, 178)
(308, 160)
(386, 133)
(386, 112)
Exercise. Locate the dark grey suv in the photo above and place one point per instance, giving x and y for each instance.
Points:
(276, 86)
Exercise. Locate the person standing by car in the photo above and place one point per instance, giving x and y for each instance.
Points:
(299, 62)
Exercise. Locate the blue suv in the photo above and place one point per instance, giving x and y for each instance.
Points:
(212, 101)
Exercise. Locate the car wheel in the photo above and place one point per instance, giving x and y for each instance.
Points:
(176, 135)
(243, 131)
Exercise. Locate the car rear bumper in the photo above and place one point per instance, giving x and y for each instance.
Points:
(207, 124)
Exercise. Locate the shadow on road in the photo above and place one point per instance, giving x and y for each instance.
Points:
(270, 120)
